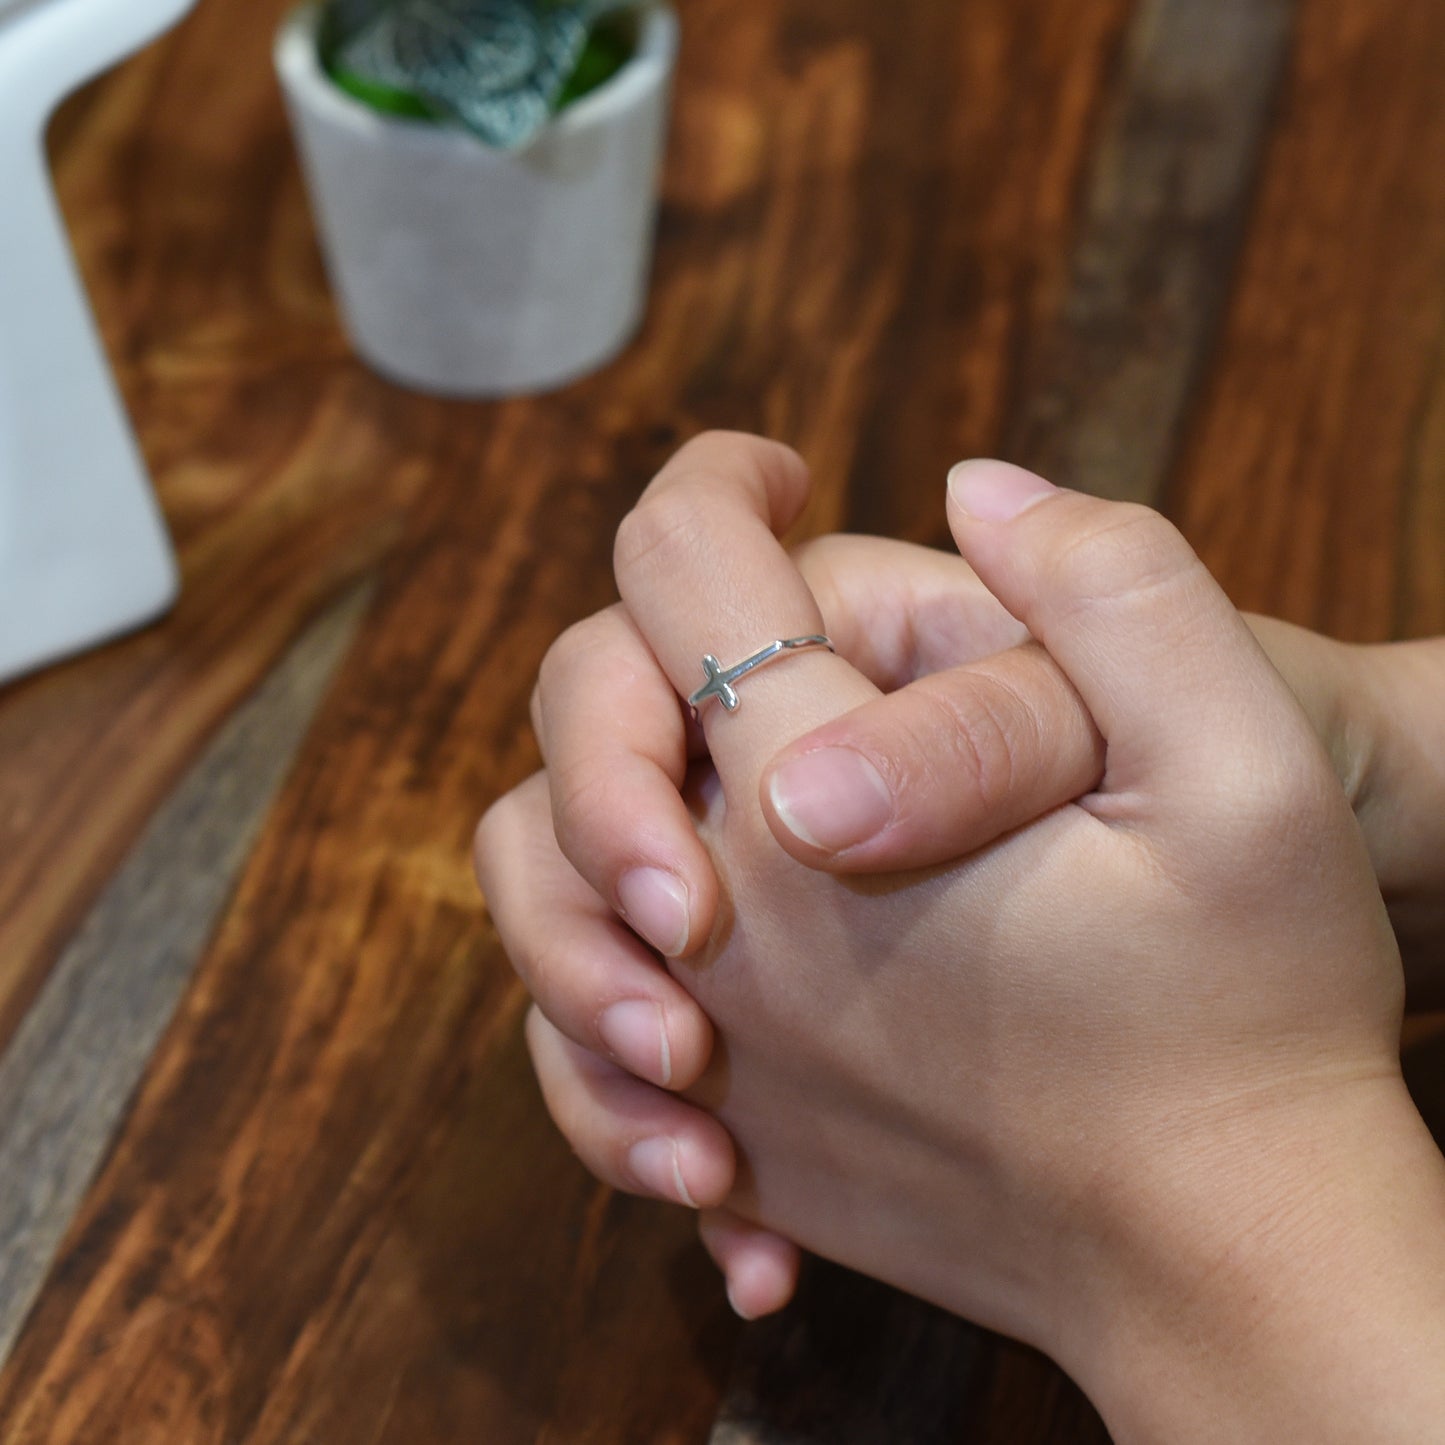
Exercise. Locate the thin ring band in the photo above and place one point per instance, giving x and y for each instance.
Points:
(720, 679)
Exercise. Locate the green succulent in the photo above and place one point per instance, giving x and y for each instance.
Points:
(501, 68)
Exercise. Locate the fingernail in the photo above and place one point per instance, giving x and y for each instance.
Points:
(655, 1165)
(654, 902)
(636, 1037)
(832, 798)
(995, 491)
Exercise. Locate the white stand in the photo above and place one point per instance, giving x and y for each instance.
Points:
(83, 550)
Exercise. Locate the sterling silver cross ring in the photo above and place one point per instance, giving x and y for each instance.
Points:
(720, 679)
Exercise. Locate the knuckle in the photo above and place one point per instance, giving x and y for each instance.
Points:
(1277, 832)
(589, 1131)
(571, 648)
(758, 451)
(712, 439)
(1284, 803)
(717, 438)
(818, 561)
(565, 712)
(826, 561)
(488, 838)
(582, 797)
(1130, 556)
(713, 467)
(548, 974)
(817, 556)
(664, 528)
(978, 742)
(1006, 735)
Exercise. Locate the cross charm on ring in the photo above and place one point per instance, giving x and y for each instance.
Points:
(720, 679)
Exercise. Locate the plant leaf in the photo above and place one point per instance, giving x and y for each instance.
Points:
(343, 20)
(496, 66)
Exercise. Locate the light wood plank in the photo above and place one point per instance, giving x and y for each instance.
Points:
(72, 1066)
(1107, 397)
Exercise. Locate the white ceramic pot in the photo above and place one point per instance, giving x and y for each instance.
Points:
(469, 271)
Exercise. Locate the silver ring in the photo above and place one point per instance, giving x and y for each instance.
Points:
(720, 679)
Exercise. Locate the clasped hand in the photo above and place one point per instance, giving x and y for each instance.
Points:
(1122, 1014)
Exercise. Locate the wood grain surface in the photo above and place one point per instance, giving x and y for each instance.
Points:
(1170, 182)
(78, 1053)
(1184, 249)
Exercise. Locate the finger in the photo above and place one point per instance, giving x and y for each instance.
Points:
(898, 611)
(1163, 661)
(594, 980)
(893, 609)
(695, 742)
(617, 752)
(702, 572)
(629, 1134)
(760, 1267)
(937, 769)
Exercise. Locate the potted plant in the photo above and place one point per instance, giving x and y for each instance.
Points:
(484, 175)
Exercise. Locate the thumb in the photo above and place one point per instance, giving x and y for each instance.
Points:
(1165, 664)
(937, 769)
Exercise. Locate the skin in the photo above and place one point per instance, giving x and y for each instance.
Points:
(1187, 973)
(967, 700)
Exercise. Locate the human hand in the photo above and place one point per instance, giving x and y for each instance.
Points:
(897, 612)
(1284, 989)
(900, 613)
(937, 765)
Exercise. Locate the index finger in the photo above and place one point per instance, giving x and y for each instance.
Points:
(702, 572)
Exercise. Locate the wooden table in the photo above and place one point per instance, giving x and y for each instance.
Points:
(272, 1167)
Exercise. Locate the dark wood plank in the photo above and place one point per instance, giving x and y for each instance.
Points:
(73, 1063)
(984, 137)
(850, 1363)
(1420, 588)
(854, 1363)
(1420, 593)
(1424, 1064)
(1312, 478)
